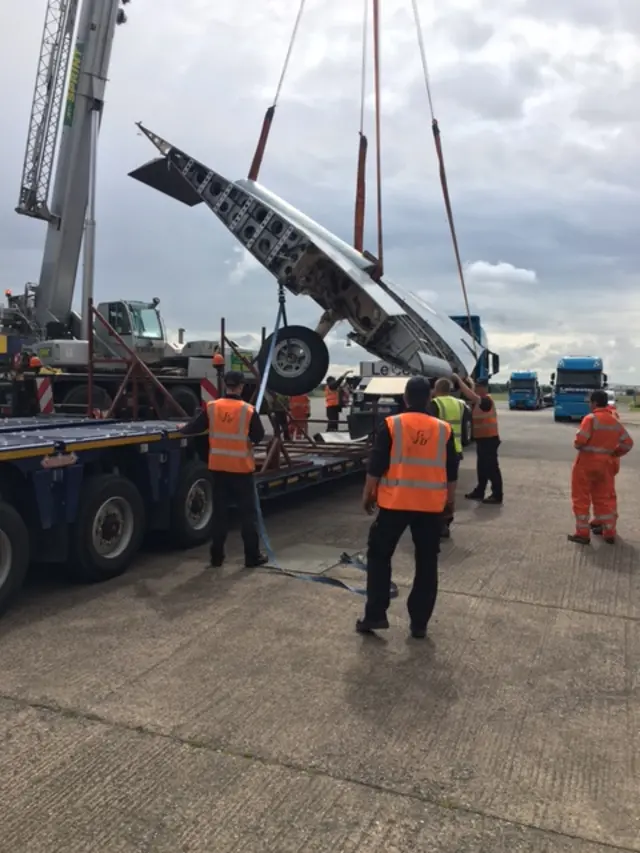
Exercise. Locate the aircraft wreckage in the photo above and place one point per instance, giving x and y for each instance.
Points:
(308, 260)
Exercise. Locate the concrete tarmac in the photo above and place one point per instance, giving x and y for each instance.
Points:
(181, 709)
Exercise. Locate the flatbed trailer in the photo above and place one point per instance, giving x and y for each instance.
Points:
(86, 492)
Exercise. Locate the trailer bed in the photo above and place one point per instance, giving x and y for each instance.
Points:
(35, 438)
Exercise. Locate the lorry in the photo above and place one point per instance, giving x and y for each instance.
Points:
(61, 156)
(525, 391)
(84, 493)
(574, 380)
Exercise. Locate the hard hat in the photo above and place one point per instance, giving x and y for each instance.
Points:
(218, 360)
(34, 362)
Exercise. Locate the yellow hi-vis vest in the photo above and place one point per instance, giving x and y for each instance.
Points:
(451, 410)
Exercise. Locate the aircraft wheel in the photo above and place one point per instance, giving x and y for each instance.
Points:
(300, 361)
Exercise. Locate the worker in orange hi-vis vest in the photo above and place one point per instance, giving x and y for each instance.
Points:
(300, 411)
(411, 476)
(600, 441)
(487, 439)
(234, 427)
(333, 400)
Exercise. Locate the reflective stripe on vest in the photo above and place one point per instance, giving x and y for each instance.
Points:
(451, 410)
(331, 398)
(604, 433)
(229, 446)
(485, 424)
(417, 476)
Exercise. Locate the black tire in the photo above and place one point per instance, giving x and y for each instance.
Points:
(303, 376)
(195, 486)
(467, 429)
(76, 399)
(87, 564)
(14, 554)
(185, 397)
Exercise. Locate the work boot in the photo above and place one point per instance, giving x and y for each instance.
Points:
(216, 560)
(579, 540)
(368, 626)
(418, 632)
(256, 562)
(610, 540)
(492, 499)
(596, 528)
(474, 496)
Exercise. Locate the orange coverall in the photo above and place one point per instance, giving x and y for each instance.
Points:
(600, 442)
(300, 411)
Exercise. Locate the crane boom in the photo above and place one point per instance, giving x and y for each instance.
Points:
(53, 64)
(76, 160)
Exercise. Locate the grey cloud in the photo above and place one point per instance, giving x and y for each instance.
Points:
(614, 15)
(495, 93)
(467, 32)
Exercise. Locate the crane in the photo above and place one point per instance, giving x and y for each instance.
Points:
(45, 309)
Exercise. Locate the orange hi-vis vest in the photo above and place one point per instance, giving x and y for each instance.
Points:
(485, 424)
(331, 398)
(229, 447)
(417, 476)
(601, 436)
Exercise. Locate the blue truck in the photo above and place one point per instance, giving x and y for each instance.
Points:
(488, 362)
(524, 390)
(576, 377)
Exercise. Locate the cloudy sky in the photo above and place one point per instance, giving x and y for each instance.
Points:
(538, 104)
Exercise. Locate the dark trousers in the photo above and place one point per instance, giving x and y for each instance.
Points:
(333, 416)
(488, 468)
(237, 490)
(384, 536)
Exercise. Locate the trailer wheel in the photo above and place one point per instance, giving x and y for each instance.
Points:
(185, 397)
(192, 506)
(76, 398)
(467, 428)
(300, 361)
(14, 553)
(109, 529)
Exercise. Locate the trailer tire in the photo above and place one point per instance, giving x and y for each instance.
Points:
(14, 553)
(192, 506)
(79, 395)
(106, 499)
(467, 428)
(185, 397)
(299, 375)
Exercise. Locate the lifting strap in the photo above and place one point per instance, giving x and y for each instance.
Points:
(361, 175)
(258, 156)
(443, 173)
(376, 82)
(273, 565)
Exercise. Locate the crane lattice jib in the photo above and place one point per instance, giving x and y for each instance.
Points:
(55, 52)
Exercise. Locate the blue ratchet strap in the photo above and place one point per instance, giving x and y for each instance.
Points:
(274, 566)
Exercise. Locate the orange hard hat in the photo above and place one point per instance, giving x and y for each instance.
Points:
(218, 360)
(34, 362)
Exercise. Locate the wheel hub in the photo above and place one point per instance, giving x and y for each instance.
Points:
(112, 528)
(199, 504)
(291, 358)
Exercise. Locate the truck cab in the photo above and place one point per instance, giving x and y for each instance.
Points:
(575, 379)
(524, 390)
